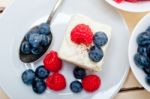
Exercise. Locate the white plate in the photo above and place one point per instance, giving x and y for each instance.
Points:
(22, 14)
(141, 27)
(131, 7)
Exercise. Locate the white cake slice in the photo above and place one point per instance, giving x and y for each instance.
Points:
(78, 54)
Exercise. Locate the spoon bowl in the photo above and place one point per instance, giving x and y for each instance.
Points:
(28, 58)
(37, 41)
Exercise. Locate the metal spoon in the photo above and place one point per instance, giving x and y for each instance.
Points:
(30, 57)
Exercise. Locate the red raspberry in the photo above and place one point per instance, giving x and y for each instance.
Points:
(118, 1)
(56, 82)
(82, 34)
(52, 62)
(133, 0)
(91, 83)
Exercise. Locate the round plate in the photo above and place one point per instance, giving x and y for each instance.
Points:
(139, 73)
(23, 14)
(131, 7)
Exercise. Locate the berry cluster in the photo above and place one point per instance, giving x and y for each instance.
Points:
(36, 79)
(36, 39)
(142, 57)
(89, 83)
(53, 63)
(82, 34)
(40, 79)
(96, 52)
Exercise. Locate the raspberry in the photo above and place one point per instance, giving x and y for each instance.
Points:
(56, 82)
(82, 34)
(118, 1)
(133, 0)
(91, 83)
(52, 62)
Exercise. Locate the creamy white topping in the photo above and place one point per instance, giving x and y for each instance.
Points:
(78, 54)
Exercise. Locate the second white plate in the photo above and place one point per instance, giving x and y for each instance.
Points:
(139, 73)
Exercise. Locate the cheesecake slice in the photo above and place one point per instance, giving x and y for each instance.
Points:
(78, 53)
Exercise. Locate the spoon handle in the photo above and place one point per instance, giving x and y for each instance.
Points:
(55, 8)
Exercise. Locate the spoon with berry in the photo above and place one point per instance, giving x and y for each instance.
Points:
(38, 39)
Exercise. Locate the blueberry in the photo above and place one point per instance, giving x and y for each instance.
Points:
(28, 76)
(100, 39)
(141, 61)
(37, 51)
(148, 51)
(25, 47)
(34, 30)
(79, 73)
(148, 79)
(41, 72)
(38, 86)
(76, 86)
(45, 40)
(44, 28)
(35, 40)
(143, 39)
(147, 70)
(95, 54)
(148, 29)
(142, 50)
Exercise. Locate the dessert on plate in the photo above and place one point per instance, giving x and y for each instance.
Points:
(85, 43)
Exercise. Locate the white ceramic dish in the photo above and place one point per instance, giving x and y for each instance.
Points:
(141, 27)
(131, 7)
(23, 14)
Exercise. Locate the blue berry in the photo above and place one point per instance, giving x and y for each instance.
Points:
(25, 47)
(35, 40)
(95, 54)
(79, 73)
(38, 86)
(45, 40)
(100, 39)
(44, 28)
(76, 87)
(141, 61)
(142, 50)
(41, 72)
(143, 39)
(28, 76)
(148, 79)
(37, 51)
(147, 70)
(148, 29)
(34, 30)
(148, 51)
